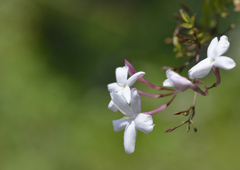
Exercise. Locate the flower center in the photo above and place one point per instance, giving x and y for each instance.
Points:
(123, 86)
(211, 60)
(125, 117)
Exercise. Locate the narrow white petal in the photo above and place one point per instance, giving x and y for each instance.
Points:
(120, 124)
(134, 78)
(144, 123)
(167, 83)
(201, 69)
(127, 93)
(121, 103)
(181, 83)
(170, 73)
(114, 87)
(135, 101)
(211, 46)
(121, 75)
(221, 47)
(130, 135)
(225, 63)
(111, 106)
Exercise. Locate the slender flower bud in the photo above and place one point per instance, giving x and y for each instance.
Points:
(177, 81)
(180, 83)
(131, 70)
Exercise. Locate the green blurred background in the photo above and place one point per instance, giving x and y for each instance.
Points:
(56, 59)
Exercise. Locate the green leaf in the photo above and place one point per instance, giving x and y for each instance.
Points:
(184, 15)
(200, 35)
(186, 25)
(205, 38)
(190, 32)
(192, 21)
(175, 41)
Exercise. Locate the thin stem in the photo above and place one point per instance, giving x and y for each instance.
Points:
(163, 106)
(144, 81)
(175, 127)
(195, 98)
(195, 88)
(217, 74)
(199, 82)
(189, 120)
(153, 95)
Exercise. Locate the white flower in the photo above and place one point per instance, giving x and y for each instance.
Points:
(214, 58)
(122, 86)
(177, 81)
(133, 121)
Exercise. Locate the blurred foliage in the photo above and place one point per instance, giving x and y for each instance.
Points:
(57, 58)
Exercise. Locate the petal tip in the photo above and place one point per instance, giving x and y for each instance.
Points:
(224, 37)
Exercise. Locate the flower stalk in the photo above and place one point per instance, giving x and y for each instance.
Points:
(153, 95)
(163, 106)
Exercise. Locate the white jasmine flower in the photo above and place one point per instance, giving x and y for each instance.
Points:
(133, 121)
(177, 81)
(122, 86)
(214, 58)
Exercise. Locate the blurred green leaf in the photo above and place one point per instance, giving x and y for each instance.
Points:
(186, 25)
(184, 16)
(192, 21)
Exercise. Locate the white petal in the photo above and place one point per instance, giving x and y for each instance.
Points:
(167, 83)
(144, 123)
(121, 104)
(134, 78)
(135, 101)
(120, 124)
(170, 73)
(181, 83)
(224, 63)
(111, 106)
(201, 69)
(221, 47)
(130, 135)
(121, 75)
(211, 46)
(114, 87)
(126, 93)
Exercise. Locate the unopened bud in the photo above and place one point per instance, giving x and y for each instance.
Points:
(195, 129)
(131, 69)
(170, 129)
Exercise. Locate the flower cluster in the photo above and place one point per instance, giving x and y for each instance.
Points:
(127, 100)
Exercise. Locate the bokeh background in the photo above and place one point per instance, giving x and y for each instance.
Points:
(56, 59)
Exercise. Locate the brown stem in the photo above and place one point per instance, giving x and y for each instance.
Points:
(217, 74)
(153, 95)
(163, 106)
